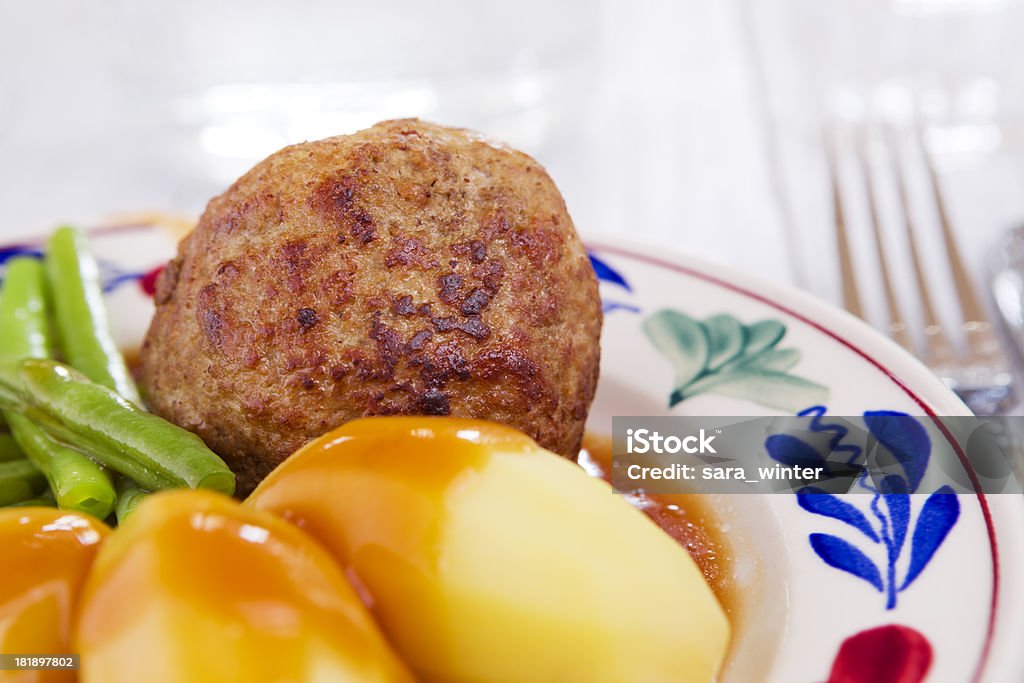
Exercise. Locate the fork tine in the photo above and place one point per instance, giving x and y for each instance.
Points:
(937, 344)
(897, 326)
(851, 298)
(978, 331)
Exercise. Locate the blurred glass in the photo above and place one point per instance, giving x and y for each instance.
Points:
(858, 71)
(946, 67)
(125, 105)
(950, 65)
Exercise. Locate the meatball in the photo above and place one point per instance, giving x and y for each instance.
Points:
(405, 269)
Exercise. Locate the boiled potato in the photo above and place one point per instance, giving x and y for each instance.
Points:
(194, 588)
(487, 559)
(46, 554)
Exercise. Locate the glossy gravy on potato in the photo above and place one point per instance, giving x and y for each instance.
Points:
(689, 519)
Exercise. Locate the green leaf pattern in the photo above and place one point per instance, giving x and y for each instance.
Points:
(721, 355)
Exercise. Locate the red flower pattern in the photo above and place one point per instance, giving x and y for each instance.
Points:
(887, 654)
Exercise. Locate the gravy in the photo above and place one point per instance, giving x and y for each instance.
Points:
(687, 518)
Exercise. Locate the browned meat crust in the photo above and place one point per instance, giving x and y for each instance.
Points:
(406, 269)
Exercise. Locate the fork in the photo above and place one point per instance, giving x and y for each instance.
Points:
(977, 370)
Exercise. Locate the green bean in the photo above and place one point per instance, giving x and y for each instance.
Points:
(82, 316)
(43, 500)
(11, 398)
(82, 324)
(129, 494)
(26, 332)
(78, 483)
(139, 445)
(9, 449)
(19, 480)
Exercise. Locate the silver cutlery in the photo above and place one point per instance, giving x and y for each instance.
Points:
(967, 356)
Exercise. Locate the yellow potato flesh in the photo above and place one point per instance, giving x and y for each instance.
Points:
(194, 588)
(490, 560)
(46, 555)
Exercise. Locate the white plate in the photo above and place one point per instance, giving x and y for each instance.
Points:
(960, 619)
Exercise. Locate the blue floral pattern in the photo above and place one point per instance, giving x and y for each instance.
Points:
(605, 273)
(902, 442)
(9, 252)
(112, 276)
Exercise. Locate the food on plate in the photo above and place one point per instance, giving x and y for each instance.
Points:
(137, 444)
(81, 316)
(47, 554)
(488, 558)
(19, 480)
(129, 495)
(84, 330)
(193, 587)
(9, 447)
(410, 271)
(86, 432)
(76, 481)
(405, 269)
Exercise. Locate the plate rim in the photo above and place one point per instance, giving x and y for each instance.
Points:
(904, 369)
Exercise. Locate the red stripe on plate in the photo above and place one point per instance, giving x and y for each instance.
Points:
(986, 512)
